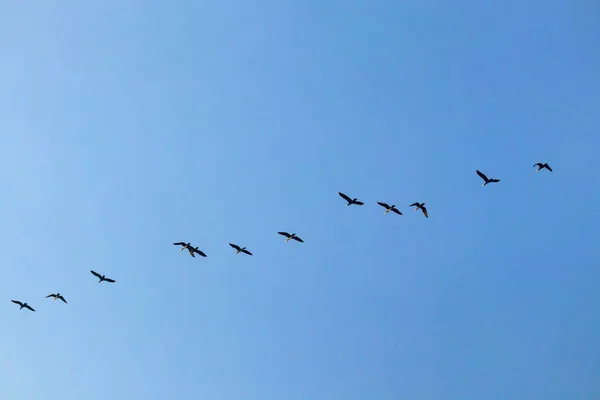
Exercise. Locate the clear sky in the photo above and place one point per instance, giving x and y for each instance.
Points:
(126, 126)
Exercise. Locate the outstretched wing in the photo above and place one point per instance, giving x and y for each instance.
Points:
(494, 180)
(199, 252)
(549, 169)
(107, 280)
(482, 175)
(29, 307)
(235, 246)
(539, 165)
(386, 205)
(247, 252)
(179, 244)
(63, 299)
(348, 199)
(51, 295)
(17, 302)
(424, 212)
(360, 203)
(97, 275)
(415, 205)
(298, 239)
(287, 235)
(396, 211)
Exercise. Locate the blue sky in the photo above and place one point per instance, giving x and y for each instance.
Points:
(126, 126)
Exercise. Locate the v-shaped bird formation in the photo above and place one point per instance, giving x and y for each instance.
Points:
(288, 236)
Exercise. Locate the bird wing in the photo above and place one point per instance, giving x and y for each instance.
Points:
(538, 165)
(386, 205)
(51, 295)
(235, 246)
(424, 212)
(298, 239)
(199, 252)
(29, 307)
(179, 244)
(97, 275)
(107, 280)
(63, 299)
(348, 199)
(396, 211)
(285, 234)
(482, 175)
(360, 203)
(17, 302)
(415, 205)
(247, 252)
(549, 169)
(494, 180)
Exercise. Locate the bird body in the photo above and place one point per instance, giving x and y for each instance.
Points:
(389, 208)
(542, 166)
(239, 249)
(290, 237)
(349, 200)
(102, 277)
(57, 296)
(486, 179)
(23, 305)
(420, 206)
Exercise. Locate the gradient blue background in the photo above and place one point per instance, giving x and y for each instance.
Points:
(126, 126)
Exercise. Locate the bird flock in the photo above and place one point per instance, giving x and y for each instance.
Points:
(289, 236)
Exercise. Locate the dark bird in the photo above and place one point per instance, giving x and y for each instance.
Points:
(486, 179)
(542, 166)
(420, 206)
(57, 296)
(389, 208)
(189, 247)
(239, 249)
(350, 201)
(292, 236)
(23, 305)
(102, 277)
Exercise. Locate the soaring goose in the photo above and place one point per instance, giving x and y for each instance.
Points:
(389, 208)
(292, 236)
(239, 249)
(102, 277)
(486, 179)
(542, 166)
(23, 305)
(350, 201)
(420, 206)
(191, 249)
(57, 296)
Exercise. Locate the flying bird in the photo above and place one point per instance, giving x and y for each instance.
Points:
(102, 277)
(240, 249)
(57, 296)
(349, 200)
(23, 305)
(542, 166)
(292, 236)
(486, 179)
(191, 249)
(420, 206)
(389, 208)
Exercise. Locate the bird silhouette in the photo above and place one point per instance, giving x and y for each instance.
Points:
(23, 305)
(239, 249)
(57, 296)
(191, 249)
(350, 201)
(292, 236)
(389, 208)
(102, 277)
(486, 179)
(420, 206)
(542, 166)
